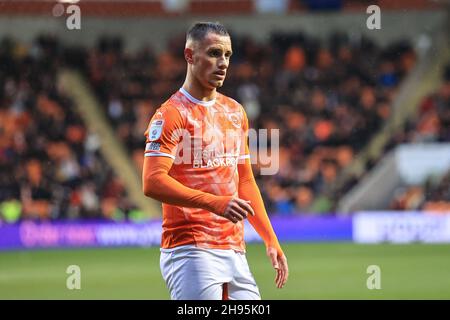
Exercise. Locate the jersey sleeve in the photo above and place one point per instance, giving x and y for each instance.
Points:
(163, 133)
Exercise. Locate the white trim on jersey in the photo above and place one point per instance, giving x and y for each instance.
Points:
(209, 103)
(159, 154)
(244, 156)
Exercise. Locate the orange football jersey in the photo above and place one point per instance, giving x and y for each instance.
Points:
(206, 140)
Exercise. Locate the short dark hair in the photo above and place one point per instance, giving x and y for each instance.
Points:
(199, 30)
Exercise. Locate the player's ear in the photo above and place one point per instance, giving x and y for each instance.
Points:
(188, 55)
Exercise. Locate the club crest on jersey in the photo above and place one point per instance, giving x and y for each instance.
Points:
(235, 121)
(155, 130)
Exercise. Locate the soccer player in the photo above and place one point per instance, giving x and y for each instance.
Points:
(197, 164)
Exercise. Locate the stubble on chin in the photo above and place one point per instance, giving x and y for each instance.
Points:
(215, 84)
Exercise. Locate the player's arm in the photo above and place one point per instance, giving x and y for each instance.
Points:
(163, 135)
(248, 190)
(159, 185)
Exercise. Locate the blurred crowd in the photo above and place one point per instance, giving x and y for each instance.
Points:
(50, 165)
(432, 124)
(432, 196)
(327, 98)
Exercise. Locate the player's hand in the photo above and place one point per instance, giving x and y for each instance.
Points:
(279, 263)
(237, 210)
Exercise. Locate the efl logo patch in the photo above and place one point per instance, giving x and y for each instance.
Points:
(155, 130)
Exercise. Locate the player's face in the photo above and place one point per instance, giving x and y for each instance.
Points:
(211, 59)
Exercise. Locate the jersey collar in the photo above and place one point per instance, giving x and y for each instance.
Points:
(209, 103)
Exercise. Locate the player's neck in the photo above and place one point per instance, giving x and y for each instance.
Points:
(199, 92)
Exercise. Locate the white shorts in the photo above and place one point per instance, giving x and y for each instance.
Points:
(193, 273)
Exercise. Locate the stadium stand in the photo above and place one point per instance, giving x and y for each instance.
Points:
(432, 124)
(327, 98)
(50, 167)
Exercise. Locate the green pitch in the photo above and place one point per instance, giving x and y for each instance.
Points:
(317, 271)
